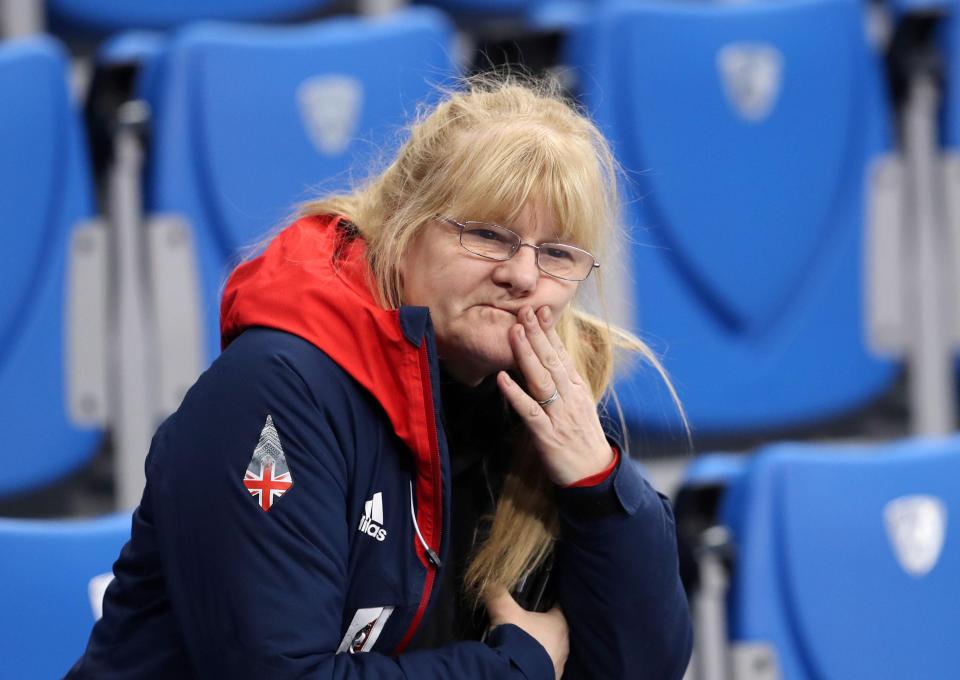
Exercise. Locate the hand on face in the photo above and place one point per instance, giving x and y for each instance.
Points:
(567, 431)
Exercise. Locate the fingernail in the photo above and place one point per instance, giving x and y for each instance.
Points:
(545, 314)
(528, 315)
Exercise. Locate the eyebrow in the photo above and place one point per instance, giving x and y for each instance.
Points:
(552, 237)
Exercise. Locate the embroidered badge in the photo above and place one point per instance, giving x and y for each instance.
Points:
(268, 477)
(364, 629)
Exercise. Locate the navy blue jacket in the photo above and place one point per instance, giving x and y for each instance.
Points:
(329, 574)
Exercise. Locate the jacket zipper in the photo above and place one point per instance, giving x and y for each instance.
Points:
(432, 557)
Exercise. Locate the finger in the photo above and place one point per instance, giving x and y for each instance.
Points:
(526, 406)
(550, 330)
(545, 351)
(540, 383)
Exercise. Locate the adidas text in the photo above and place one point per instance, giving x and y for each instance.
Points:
(371, 523)
(371, 528)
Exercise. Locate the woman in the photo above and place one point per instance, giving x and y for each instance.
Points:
(396, 468)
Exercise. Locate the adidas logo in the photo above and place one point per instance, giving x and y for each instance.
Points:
(371, 523)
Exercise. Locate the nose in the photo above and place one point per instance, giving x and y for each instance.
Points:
(520, 273)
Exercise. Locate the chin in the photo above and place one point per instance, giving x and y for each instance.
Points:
(474, 361)
(494, 352)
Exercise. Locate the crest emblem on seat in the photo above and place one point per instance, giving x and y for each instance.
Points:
(330, 108)
(916, 526)
(751, 74)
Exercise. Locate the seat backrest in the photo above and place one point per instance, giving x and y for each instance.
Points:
(248, 122)
(485, 8)
(536, 15)
(846, 559)
(45, 191)
(949, 43)
(107, 16)
(747, 148)
(52, 578)
(714, 469)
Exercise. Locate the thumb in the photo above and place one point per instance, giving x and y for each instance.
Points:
(500, 605)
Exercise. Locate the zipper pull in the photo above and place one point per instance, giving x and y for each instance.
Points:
(432, 557)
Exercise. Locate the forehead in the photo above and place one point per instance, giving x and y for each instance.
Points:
(498, 170)
(534, 220)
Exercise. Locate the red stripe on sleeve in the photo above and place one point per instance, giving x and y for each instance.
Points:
(599, 477)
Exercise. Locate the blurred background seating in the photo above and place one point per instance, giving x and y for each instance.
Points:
(840, 561)
(52, 396)
(751, 153)
(108, 16)
(52, 578)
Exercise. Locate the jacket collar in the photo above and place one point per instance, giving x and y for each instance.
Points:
(315, 283)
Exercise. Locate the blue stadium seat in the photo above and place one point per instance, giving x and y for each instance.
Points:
(490, 8)
(52, 579)
(846, 560)
(747, 148)
(250, 121)
(45, 191)
(106, 16)
(714, 469)
(949, 43)
(536, 14)
(131, 48)
(902, 7)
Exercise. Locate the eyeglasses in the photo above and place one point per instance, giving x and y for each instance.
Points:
(494, 242)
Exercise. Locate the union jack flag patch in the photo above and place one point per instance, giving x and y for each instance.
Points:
(268, 477)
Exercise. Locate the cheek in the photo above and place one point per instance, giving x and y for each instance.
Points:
(419, 284)
(408, 284)
(559, 302)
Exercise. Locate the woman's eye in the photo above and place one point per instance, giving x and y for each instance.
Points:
(488, 235)
(558, 253)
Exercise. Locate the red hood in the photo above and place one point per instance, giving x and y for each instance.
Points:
(293, 286)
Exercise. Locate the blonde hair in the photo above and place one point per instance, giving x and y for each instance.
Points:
(485, 152)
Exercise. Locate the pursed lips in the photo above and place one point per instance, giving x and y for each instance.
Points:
(500, 309)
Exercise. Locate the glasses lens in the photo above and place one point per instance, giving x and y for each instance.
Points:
(489, 240)
(565, 262)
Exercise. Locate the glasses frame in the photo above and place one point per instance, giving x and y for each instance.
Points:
(518, 244)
